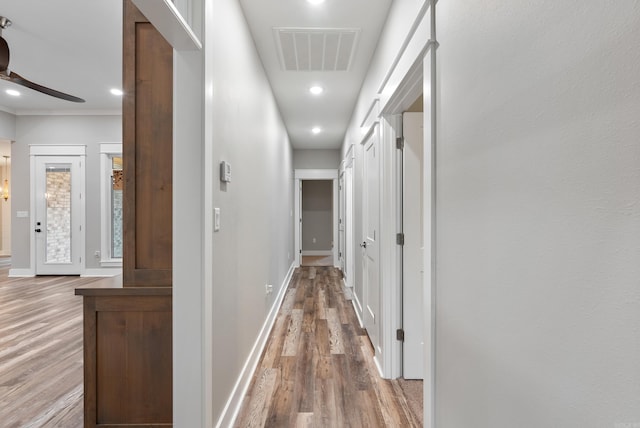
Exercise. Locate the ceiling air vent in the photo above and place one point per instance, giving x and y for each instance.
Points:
(316, 49)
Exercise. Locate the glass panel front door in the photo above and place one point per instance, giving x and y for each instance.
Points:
(116, 207)
(58, 214)
(58, 227)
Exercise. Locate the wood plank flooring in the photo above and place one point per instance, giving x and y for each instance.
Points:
(317, 369)
(317, 261)
(41, 372)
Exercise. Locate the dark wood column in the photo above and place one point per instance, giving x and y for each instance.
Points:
(128, 319)
(147, 126)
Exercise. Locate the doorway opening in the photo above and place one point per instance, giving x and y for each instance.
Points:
(413, 246)
(317, 223)
(316, 205)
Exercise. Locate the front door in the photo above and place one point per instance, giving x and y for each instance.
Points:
(370, 246)
(413, 249)
(57, 218)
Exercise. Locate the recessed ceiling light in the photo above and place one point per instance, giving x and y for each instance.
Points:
(13, 92)
(316, 130)
(117, 92)
(316, 90)
(315, 1)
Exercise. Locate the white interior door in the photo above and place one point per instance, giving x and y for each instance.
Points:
(341, 223)
(299, 220)
(370, 245)
(348, 266)
(413, 249)
(59, 184)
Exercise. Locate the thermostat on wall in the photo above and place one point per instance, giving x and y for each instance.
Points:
(225, 172)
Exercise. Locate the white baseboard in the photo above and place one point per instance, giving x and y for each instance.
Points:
(346, 283)
(317, 252)
(232, 408)
(376, 362)
(102, 272)
(21, 273)
(357, 309)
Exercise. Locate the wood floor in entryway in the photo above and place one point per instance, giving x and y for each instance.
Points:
(40, 351)
(317, 261)
(317, 369)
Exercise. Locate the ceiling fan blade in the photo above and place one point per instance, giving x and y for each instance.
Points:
(4, 54)
(16, 78)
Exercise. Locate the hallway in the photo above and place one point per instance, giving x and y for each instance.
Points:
(317, 369)
(522, 225)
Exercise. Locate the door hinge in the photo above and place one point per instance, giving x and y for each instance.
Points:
(400, 238)
(300, 251)
(400, 335)
(400, 143)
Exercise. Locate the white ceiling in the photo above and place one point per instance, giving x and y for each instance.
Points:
(300, 110)
(74, 46)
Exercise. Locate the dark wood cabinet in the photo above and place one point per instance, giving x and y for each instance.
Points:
(128, 319)
(127, 355)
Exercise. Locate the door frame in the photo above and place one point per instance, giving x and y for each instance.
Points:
(348, 200)
(315, 174)
(413, 73)
(36, 150)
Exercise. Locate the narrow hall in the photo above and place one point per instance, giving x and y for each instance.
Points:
(317, 369)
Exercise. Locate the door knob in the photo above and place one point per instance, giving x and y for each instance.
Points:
(364, 244)
(38, 230)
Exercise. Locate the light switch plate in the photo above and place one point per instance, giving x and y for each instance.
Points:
(216, 219)
(225, 172)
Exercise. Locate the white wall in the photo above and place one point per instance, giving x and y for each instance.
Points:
(7, 126)
(254, 246)
(188, 240)
(537, 210)
(87, 130)
(316, 159)
(397, 30)
(538, 214)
